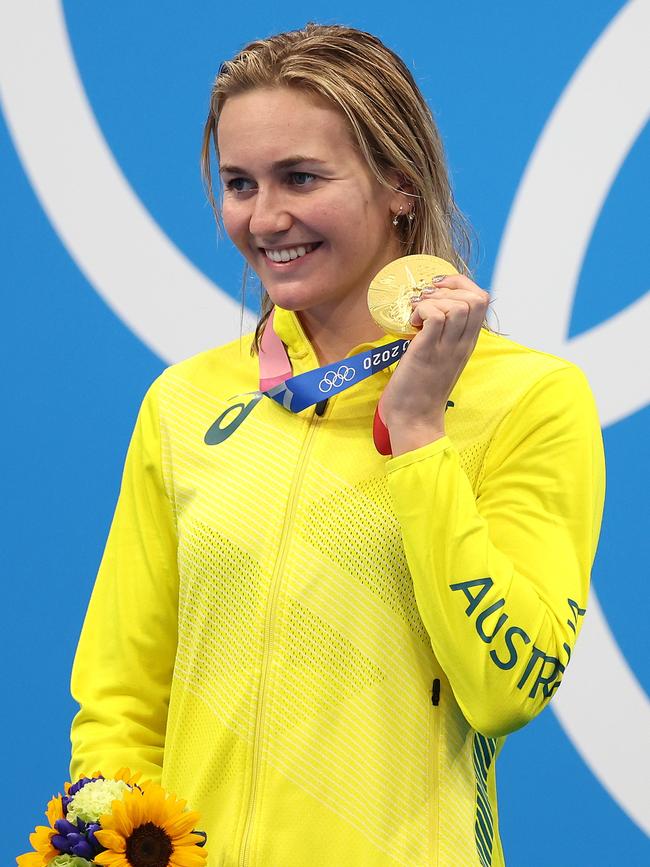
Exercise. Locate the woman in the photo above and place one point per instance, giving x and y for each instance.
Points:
(321, 647)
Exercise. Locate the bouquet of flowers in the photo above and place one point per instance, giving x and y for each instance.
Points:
(117, 822)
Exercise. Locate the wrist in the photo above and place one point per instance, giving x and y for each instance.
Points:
(409, 436)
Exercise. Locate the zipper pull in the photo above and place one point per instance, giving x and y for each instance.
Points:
(320, 406)
(435, 692)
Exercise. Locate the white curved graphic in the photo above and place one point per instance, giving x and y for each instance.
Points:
(601, 113)
(122, 251)
(568, 177)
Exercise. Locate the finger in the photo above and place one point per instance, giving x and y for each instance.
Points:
(471, 293)
(456, 319)
(479, 301)
(440, 322)
(429, 330)
(456, 284)
(456, 281)
(450, 307)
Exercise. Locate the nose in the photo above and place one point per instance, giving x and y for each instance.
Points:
(270, 215)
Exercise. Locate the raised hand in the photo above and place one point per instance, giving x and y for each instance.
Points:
(448, 317)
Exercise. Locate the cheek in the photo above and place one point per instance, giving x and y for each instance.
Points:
(234, 222)
(342, 222)
(327, 221)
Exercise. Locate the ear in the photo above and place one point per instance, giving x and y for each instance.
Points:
(404, 193)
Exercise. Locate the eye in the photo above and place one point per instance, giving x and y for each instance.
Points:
(301, 179)
(239, 185)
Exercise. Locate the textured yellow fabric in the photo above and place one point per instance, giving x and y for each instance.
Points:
(273, 614)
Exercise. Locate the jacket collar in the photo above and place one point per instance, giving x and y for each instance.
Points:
(301, 353)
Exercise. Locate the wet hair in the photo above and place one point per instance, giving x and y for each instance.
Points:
(387, 115)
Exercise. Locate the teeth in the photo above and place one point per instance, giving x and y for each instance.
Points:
(289, 254)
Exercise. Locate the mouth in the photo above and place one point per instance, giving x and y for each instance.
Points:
(285, 255)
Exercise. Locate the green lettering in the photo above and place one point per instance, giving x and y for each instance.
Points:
(483, 617)
(467, 586)
(511, 661)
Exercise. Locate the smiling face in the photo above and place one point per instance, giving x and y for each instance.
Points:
(300, 203)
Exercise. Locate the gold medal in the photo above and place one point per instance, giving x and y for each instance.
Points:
(390, 292)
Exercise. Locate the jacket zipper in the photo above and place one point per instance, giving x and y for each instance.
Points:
(244, 857)
(435, 770)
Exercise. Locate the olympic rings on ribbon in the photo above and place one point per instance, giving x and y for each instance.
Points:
(334, 378)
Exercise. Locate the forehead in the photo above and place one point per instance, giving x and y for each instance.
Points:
(264, 125)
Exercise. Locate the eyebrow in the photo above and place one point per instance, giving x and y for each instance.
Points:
(286, 163)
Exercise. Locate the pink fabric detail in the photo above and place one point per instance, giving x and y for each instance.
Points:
(275, 366)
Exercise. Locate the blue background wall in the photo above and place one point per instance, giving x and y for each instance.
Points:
(75, 372)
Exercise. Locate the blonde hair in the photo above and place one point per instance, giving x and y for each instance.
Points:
(388, 118)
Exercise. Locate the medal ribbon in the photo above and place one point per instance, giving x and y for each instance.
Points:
(296, 393)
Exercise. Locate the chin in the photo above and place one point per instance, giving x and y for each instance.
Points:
(295, 299)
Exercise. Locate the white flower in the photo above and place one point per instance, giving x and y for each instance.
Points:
(95, 799)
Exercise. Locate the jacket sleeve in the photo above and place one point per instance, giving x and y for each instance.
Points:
(124, 661)
(501, 576)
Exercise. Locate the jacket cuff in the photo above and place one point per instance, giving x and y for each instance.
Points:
(420, 454)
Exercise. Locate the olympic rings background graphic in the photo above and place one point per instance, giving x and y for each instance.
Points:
(111, 269)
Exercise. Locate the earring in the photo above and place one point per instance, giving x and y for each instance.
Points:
(397, 216)
(411, 216)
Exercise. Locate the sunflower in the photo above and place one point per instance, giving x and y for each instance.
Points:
(41, 839)
(127, 777)
(148, 828)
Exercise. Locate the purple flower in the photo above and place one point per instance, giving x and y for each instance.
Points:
(90, 836)
(83, 849)
(77, 839)
(64, 827)
(61, 843)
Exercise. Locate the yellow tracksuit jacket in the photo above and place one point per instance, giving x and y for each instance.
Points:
(321, 648)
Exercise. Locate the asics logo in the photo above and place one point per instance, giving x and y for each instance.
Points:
(229, 421)
(334, 378)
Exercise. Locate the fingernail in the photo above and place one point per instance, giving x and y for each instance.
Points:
(439, 278)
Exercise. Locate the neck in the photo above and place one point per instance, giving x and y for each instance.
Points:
(335, 332)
